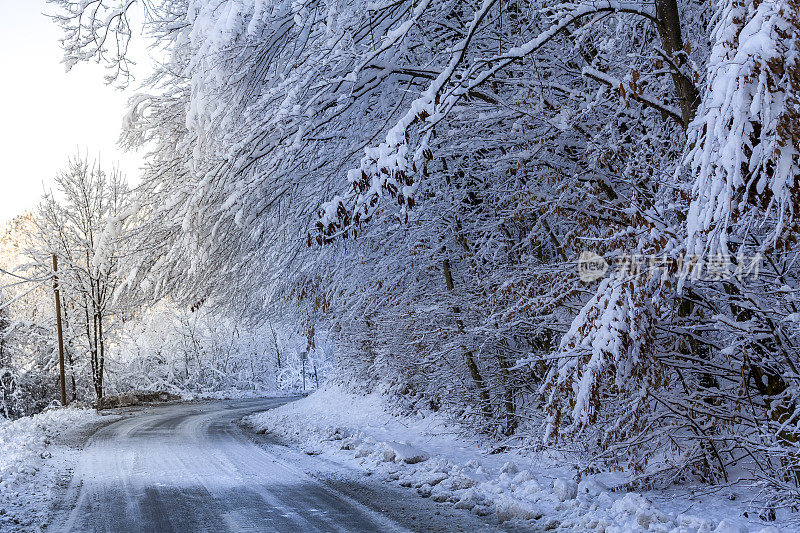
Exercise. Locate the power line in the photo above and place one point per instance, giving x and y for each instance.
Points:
(4, 271)
(12, 285)
(43, 281)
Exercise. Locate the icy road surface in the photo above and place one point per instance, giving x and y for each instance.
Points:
(191, 468)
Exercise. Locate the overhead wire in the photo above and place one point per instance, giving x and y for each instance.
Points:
(17, 298)
(4, 271)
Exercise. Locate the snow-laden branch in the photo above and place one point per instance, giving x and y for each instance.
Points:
(644, 99)
(392, 168)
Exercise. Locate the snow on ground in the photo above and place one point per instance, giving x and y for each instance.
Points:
(32, 463)
(236, 394)
(425, 452)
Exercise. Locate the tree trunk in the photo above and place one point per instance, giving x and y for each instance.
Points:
(669, 29)
(477, 378)
(101, 356)
(508, 397)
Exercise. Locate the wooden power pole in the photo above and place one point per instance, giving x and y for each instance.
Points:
(60, 332)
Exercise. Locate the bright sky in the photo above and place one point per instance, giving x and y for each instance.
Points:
(48, 114)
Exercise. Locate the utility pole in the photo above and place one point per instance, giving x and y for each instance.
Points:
(60, 332)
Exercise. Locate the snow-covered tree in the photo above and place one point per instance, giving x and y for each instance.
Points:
(70, 225)
(455, 158)
(744, 143)
(27, 327)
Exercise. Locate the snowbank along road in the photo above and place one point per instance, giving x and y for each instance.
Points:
(191, 468)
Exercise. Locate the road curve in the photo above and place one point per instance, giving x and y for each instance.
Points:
(190, 468)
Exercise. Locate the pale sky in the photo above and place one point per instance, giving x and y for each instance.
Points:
(48, 114)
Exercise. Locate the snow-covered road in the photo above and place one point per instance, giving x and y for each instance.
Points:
(190, 467)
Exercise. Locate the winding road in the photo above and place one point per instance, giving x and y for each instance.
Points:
(191, 468)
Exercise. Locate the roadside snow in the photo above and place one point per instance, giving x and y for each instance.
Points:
(31, 464)
(237, 394)
(424, 452)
